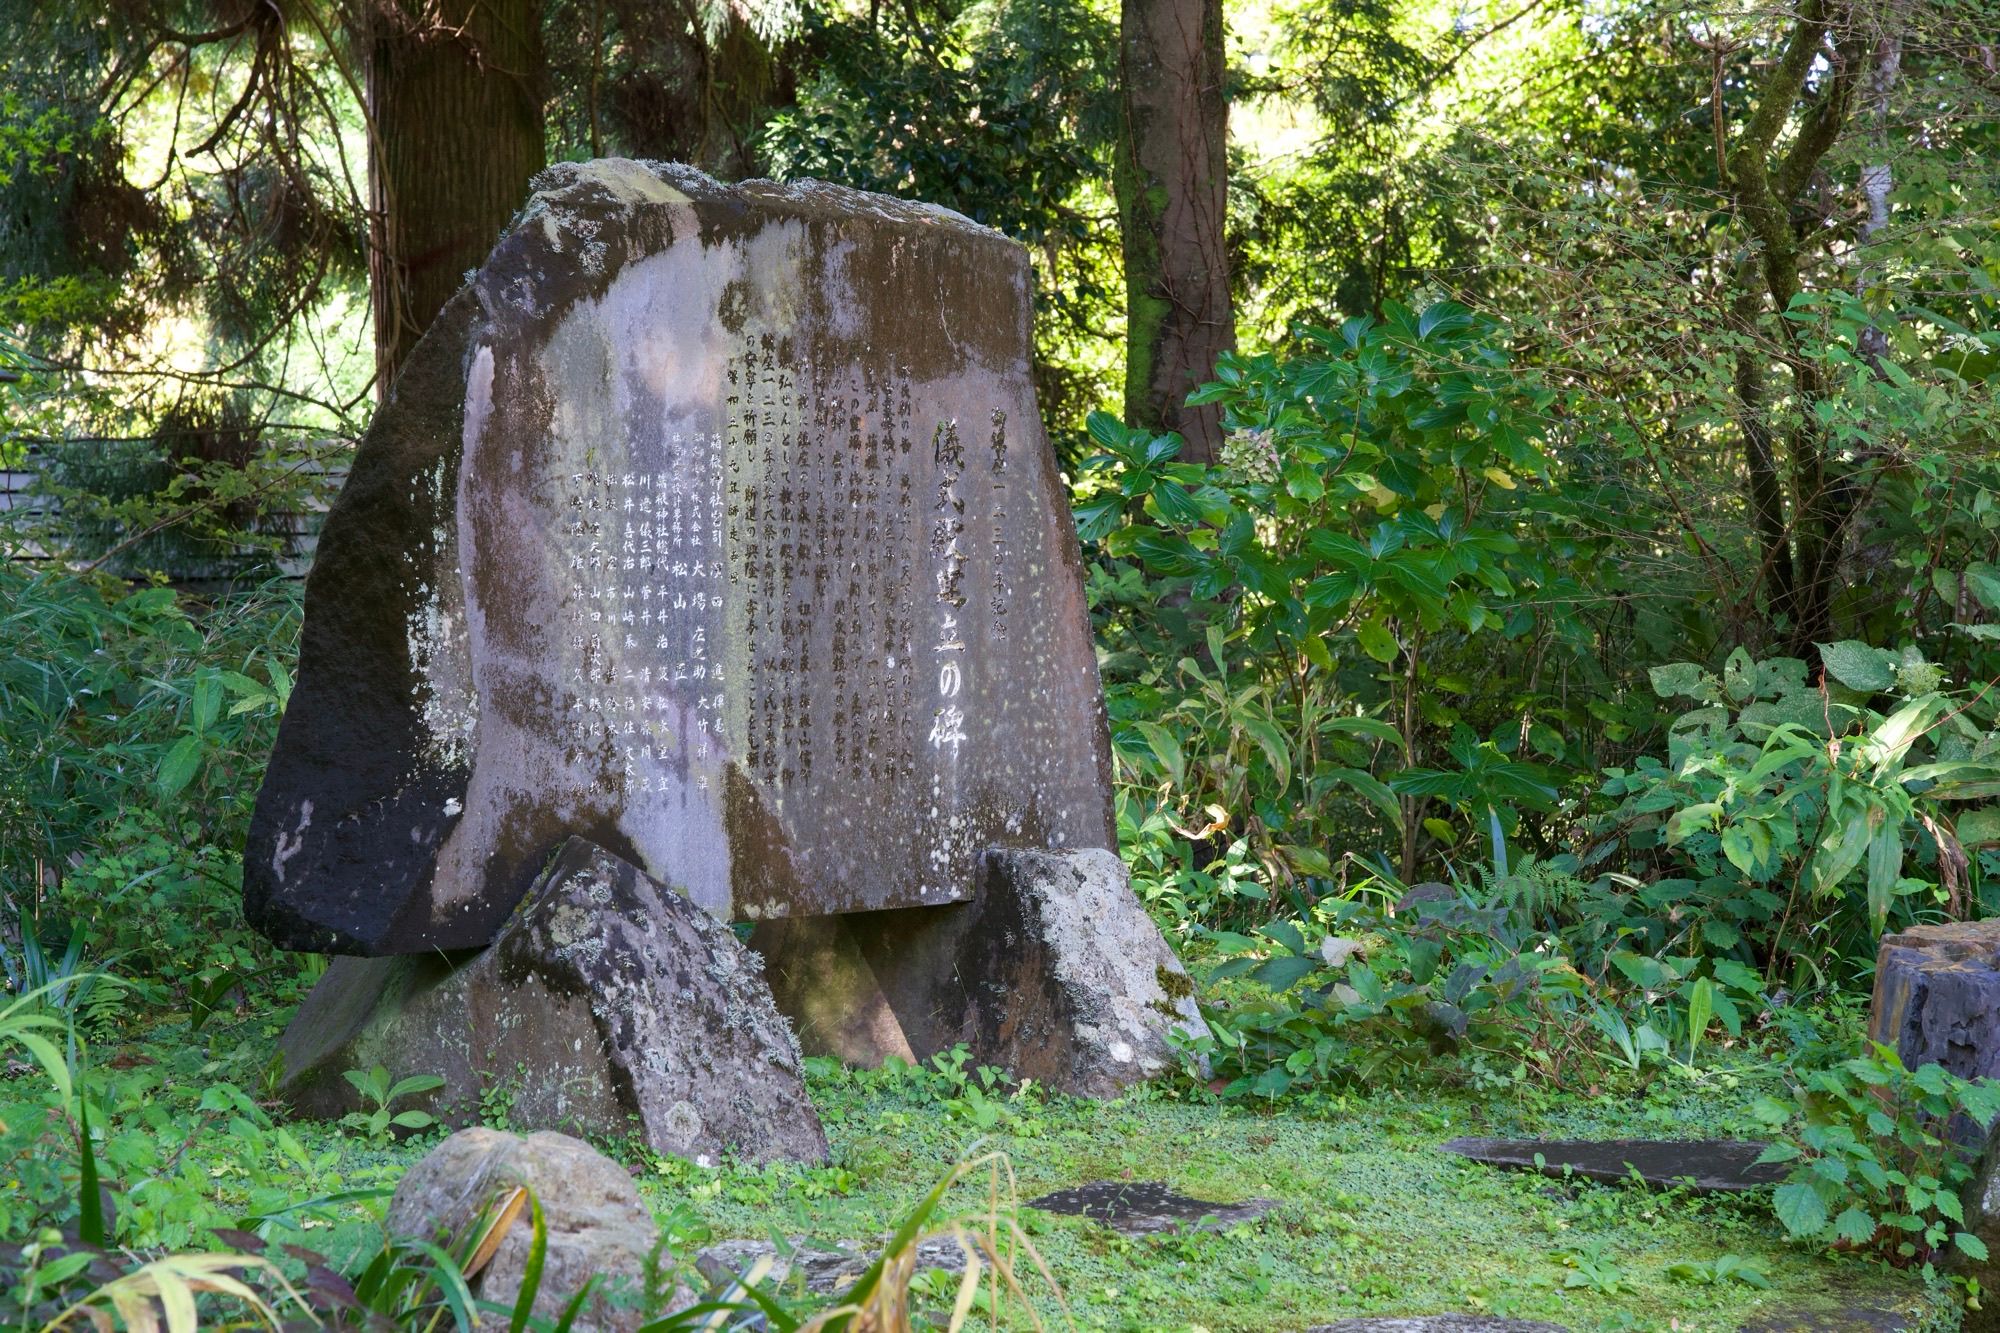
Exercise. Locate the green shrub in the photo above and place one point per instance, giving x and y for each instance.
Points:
(136, 735)
(1293, 653)
(1355, 992)
(1790, 816)
(1876, 1165)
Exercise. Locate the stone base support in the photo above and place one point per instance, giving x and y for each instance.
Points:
(1053, 972)
(608, 1004)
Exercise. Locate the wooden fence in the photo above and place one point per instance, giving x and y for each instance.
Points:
(23, 507)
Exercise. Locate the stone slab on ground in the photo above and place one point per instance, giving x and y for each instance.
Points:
(609, 1003)
(1437, 1323)
(715, 523)
(1146, 1207)
(595, 1223)
(1707, 1166)
(1841, 1319)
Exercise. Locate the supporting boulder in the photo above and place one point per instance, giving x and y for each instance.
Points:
(1053, 972)
(608, 1003)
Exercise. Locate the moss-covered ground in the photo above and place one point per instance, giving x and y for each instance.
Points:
(1372, 1218)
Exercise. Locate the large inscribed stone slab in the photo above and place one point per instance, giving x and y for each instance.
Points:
(715, 525)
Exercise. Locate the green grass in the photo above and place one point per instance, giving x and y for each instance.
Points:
(1372, 1218)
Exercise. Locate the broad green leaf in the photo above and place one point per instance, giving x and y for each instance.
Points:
(1800, 1210)
(239, 684)
(1642, 971)
(1377, 792)
(1338, 548)
(1288, 934)
(48, 1057)
(1702, 814)
(1281, 974)
(1276, 750)
(1859, 666)
(1676, 678)
(1106, 429)
(1373, 727)
(1166, 749)
(1885, 866)
(179, 766)
(207, 699)
(1096, 517)
(415, 1083)
(1173, 504)
(1377, 641)
(1888, 743)
(1443, 317)
(1739, 676)
(1854, 1226)
(1984, 580)
(1303, 483)
(1979, 828)
(1840, 854)
(1737, 977)
(1701, 1008)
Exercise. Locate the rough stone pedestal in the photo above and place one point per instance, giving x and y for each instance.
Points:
(1053, 972)
(608, 1003)
(1937, 1001)
(1937, 997)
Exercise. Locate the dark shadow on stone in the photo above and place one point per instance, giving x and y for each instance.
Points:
(1144, 1207)
(1053, 972)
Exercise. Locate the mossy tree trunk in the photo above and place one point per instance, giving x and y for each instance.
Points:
(455, 94)
(1773, 194)
(1172, 186)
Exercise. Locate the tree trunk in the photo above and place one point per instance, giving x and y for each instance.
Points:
(1766, 482)
(1877, 180)
(455, 105)
(1172, 183)
(1769, 190)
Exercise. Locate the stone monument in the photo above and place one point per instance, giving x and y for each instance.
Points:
(714, 526)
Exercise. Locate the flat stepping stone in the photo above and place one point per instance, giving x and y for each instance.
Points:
(1437, 1323)
(1707, 1166)
(1845, 1319)
(1146, 1207)
(823, 1270)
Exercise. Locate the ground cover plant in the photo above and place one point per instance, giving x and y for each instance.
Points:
(1371, 1218)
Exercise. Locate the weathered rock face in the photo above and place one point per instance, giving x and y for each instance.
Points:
(715, 524)
(1053, 972)
(1937, 1000)
(594, 1222)
(607, 1003)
